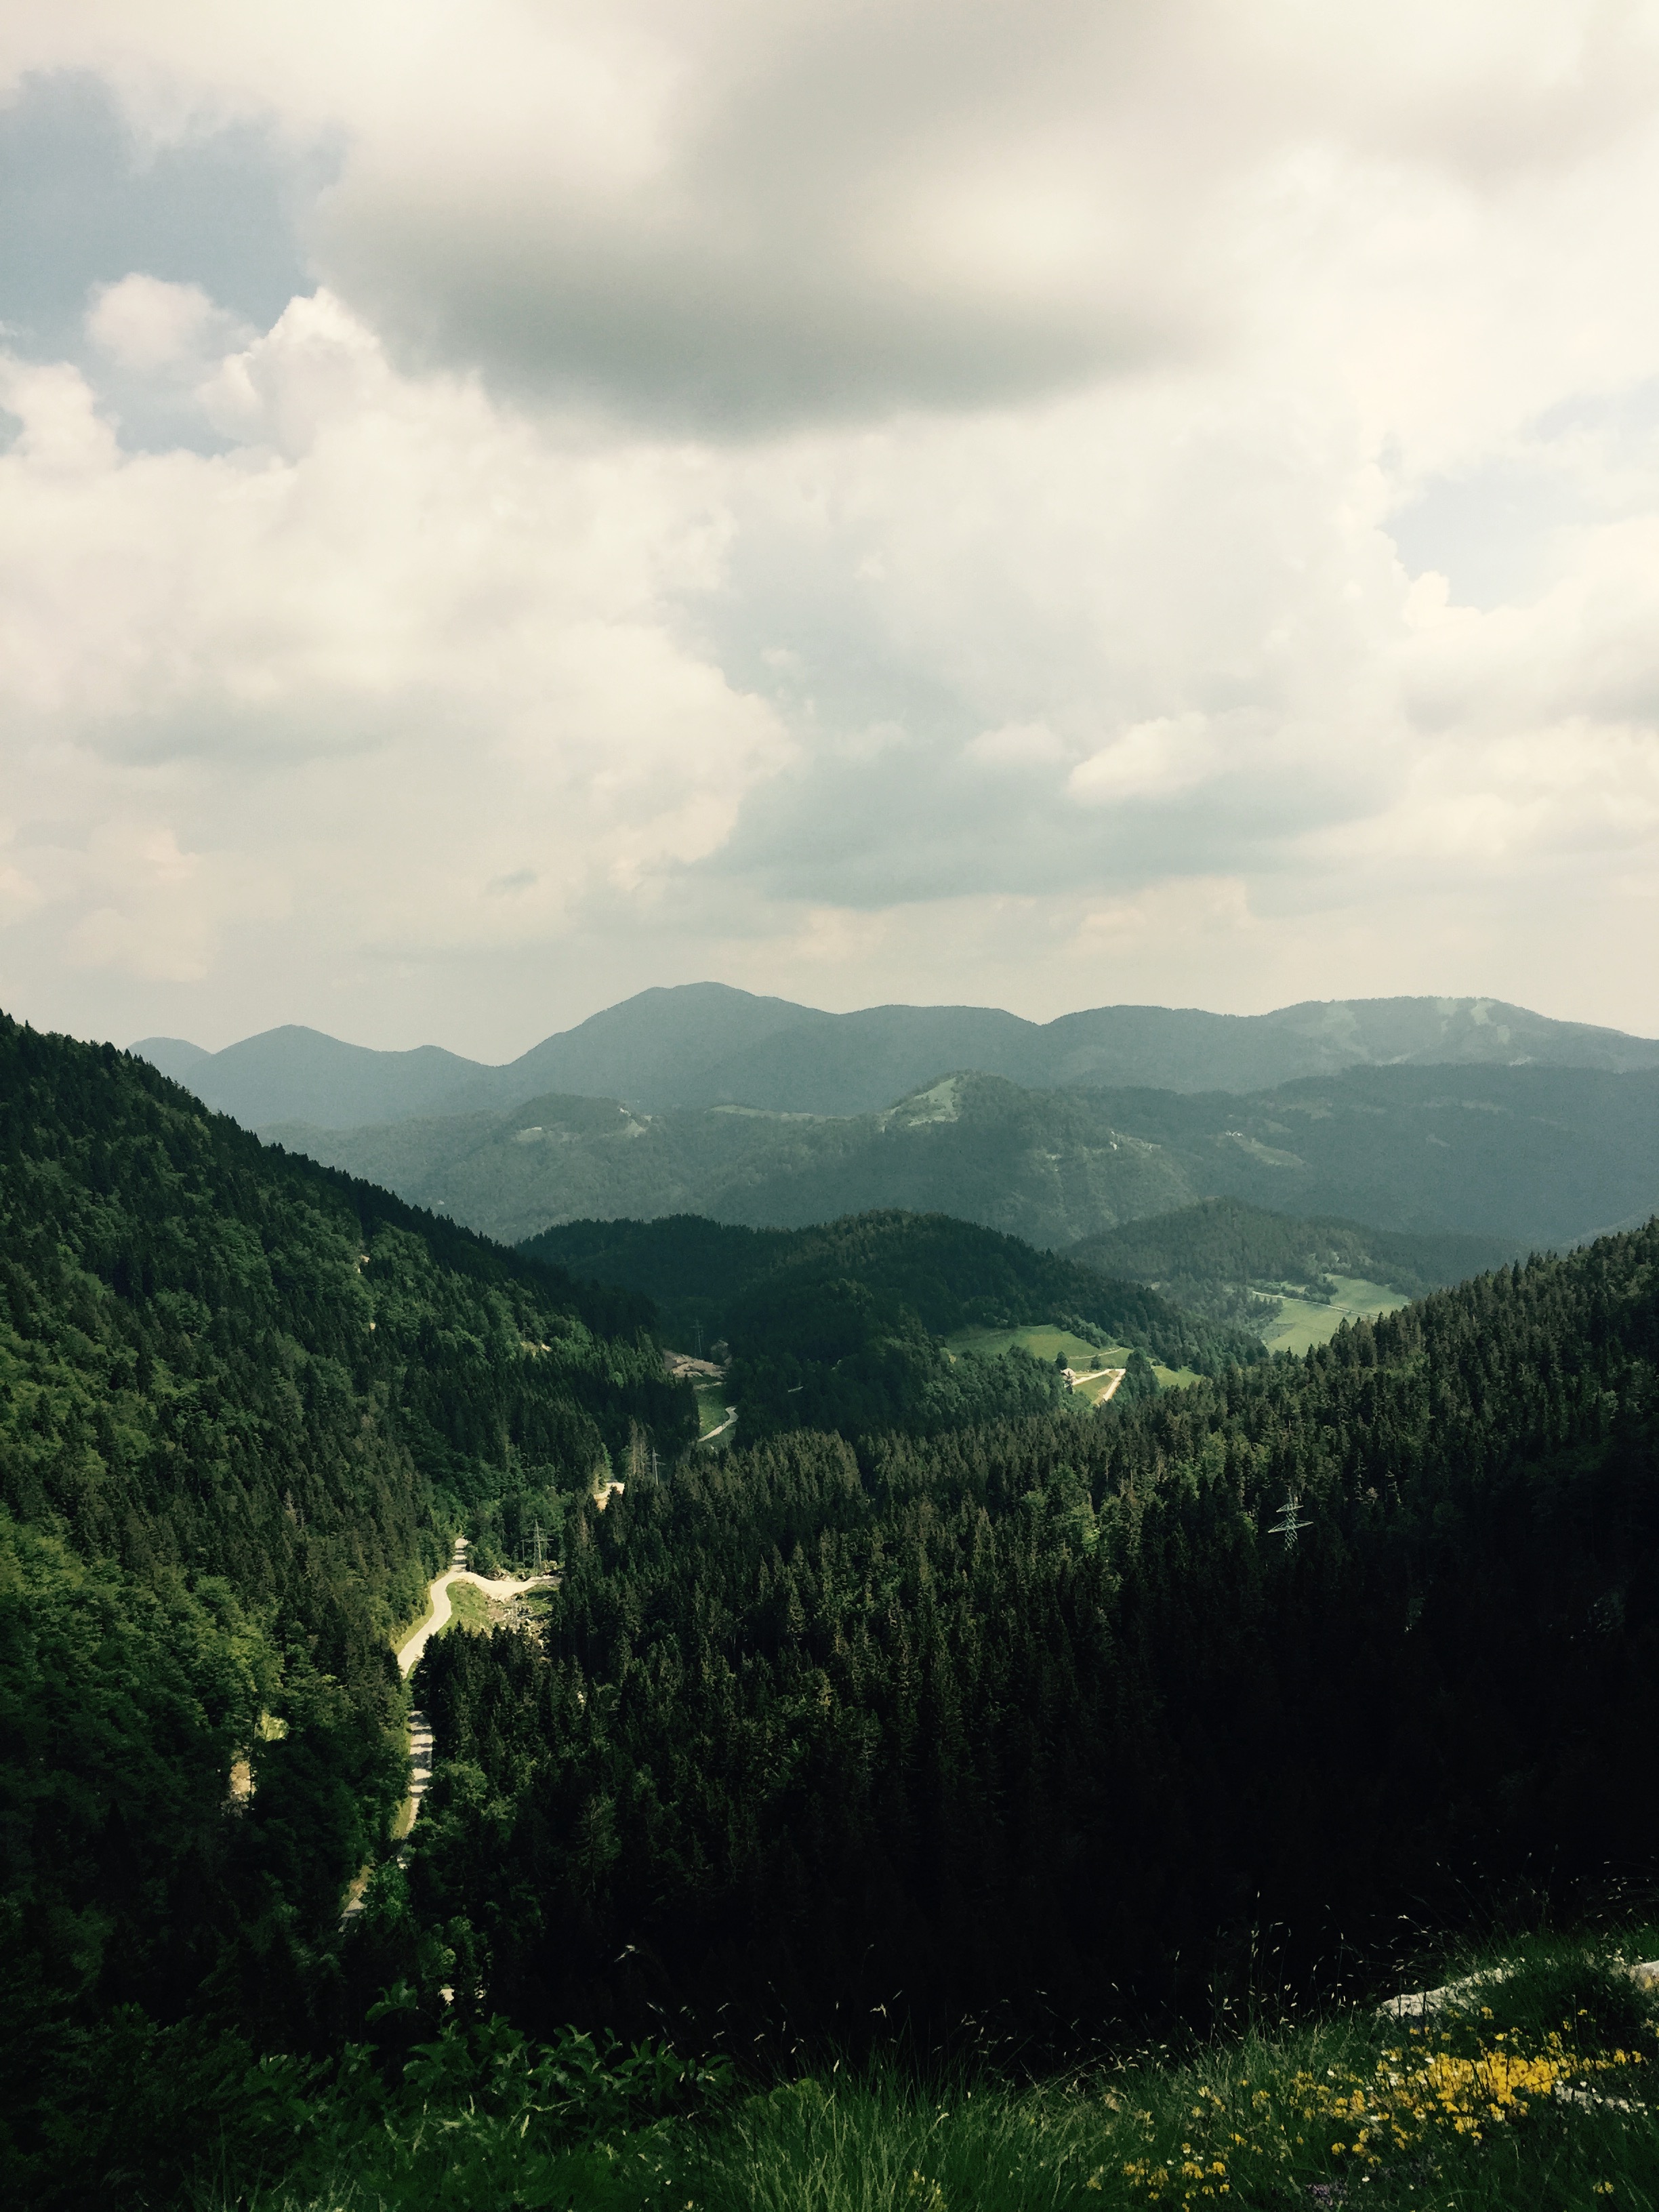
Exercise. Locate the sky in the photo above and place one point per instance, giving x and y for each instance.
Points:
(1043, 505)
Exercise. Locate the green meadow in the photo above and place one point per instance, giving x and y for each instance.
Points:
(711, 1406)
(1045, 1342)
(469, 1609)
(1304, 1322)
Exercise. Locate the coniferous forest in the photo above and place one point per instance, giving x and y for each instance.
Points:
(1043, 1726)
(1042, 1720)
(244, 1405)
(837, 1328)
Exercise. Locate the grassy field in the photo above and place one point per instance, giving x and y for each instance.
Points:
(478, 1615)
(1045, 1343)
(1303, 1323)
(1092, 1388)
(471, 1610)
(711, 1405)
(1530, 2089)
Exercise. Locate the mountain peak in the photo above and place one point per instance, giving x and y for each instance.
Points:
(712, 1044)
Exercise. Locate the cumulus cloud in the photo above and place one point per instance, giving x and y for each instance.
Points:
(391, 650)
(733, 216)
(1056, 505)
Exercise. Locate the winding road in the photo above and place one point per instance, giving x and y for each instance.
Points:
(500, 1589)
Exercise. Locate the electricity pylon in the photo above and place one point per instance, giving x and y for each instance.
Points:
(1290, 1524)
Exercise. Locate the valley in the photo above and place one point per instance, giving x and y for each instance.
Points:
(892, 1321)
(1027, 1581)
(970, 1673)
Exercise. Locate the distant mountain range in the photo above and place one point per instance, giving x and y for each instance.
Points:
(1538, 1155)
(705, 1044)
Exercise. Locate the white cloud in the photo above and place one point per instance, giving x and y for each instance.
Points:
(151, 327)
(1150, 760)
(392, 648)
(869, 502)
(1016, 744)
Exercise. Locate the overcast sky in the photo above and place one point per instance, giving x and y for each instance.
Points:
(503, 504)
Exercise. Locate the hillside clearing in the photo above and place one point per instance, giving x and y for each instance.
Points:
(712, 1408)
(1046, 1342)
(1304, 1322)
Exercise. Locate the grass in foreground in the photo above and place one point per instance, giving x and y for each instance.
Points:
(1529, 2090)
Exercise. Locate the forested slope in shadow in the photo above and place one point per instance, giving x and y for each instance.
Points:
(1037, 1723)
(245, 1403)
(734, 1283)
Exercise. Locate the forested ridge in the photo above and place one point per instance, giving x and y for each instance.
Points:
(1217, 1257)
(1536, 1155)
(1039, 1722)
(836, 1328)
(245, 1404)
(951, 1273)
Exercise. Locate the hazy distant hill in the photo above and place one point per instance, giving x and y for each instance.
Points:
(705, 1044)
(1533, 1155)
(1537, 1155)
(299, 1074)
(1045, 1166)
